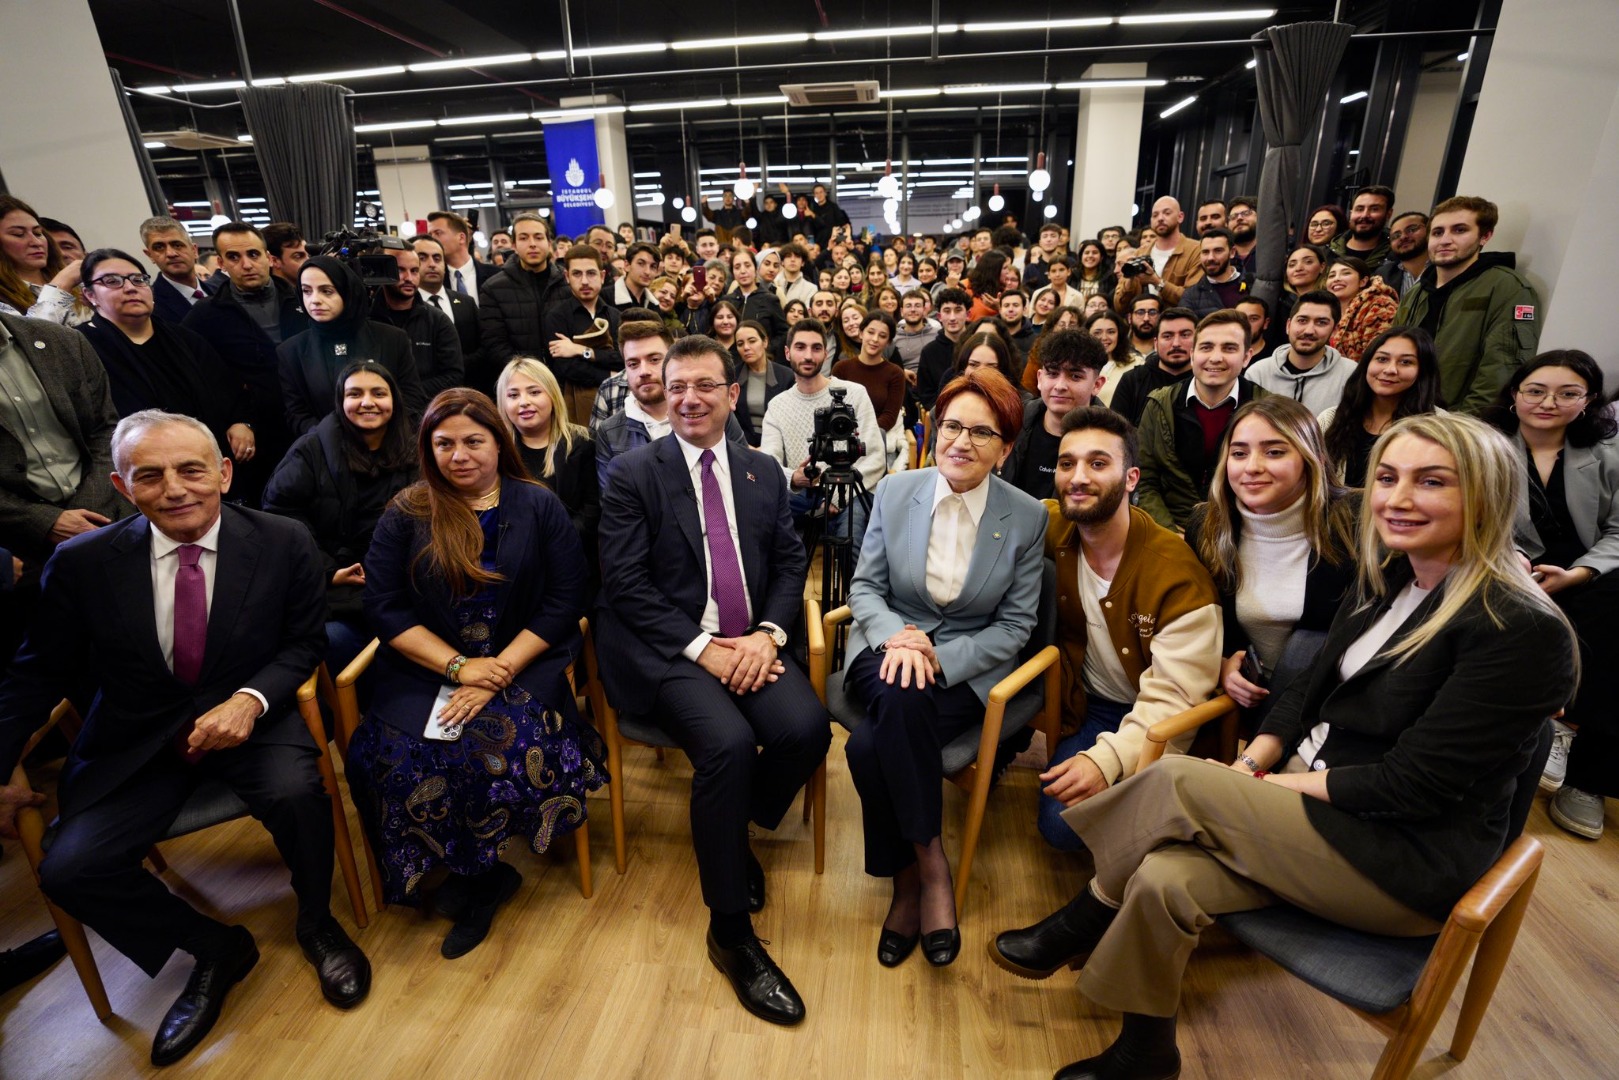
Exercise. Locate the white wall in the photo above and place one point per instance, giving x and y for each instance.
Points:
(405, 179)
(1106, 147)
(1427, 130)
(1545, 148)
(63, 145)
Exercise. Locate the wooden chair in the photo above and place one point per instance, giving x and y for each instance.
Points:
(347, 708)
(1015, 703)
(619, 731)
(1400, 986)
(211, 804)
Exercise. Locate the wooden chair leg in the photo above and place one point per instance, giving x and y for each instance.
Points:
(969, 835)
(155, 857)
(809, 799)
(1491, 960)
(1444, 970)
(615, 798)
(345, 855)
(31, 830)
(658, 750)
(581, 846)
(373, 868)
(818, 785)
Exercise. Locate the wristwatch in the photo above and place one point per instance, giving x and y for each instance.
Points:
(589, 353)
(776, 633)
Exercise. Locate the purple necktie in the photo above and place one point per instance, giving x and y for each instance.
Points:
(728, 593)
(197, 294)
(190, 615)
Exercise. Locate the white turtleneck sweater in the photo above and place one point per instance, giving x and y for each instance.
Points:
(1274, 554)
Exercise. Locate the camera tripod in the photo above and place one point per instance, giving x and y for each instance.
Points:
(831, 528)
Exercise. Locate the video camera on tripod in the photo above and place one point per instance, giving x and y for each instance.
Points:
(834, 445)
(365, 251)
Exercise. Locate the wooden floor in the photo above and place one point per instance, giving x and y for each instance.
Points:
(619, 986)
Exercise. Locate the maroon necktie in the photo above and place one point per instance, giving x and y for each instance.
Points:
(198, 294)
(190, 615)
(729, 596)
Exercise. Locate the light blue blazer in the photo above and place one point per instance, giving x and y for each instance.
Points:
(978, 635)
(1591, 487)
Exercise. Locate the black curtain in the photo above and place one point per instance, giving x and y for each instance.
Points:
(143, 160)
(1296, 65)
(304, 140)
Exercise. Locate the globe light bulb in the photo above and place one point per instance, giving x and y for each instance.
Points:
(996, 202)
(1039, 180)
(888, 186)
(789, 211)
(603, 198)
(744, 188)
(1051, 210)
(688, 214)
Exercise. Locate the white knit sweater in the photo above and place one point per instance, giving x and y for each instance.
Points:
(1274, 554)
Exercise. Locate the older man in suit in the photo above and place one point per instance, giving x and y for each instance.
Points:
(198, 622)
(702, 574)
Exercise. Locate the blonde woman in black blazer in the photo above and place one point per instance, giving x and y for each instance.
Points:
(1394, 764)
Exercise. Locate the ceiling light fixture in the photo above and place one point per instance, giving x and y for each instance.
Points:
(1352, 98)
(487, 118)
(1239, 15)
(738, 42)
(883, 32)
(995, 88)
(1109, 84)
(762, 99)
(470, 62)
(154, 144)
(397, 125)
(1037, 24)
(743, 188)
(603, 195)
(654, 106)
(1250, 65)
(623, 50)
(352, 73)
(913, 92)
(1177, 107)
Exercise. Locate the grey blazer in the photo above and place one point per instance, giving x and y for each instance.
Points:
(977, 637)
(76, 384)
(1590, 483)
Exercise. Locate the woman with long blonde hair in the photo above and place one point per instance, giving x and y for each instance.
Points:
(1377, 796)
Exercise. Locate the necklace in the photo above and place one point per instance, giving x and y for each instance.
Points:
(488, 500)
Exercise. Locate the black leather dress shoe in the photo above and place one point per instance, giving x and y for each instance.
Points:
(942, 946)
(1063, 938)
(761, 986)
(488, 892)
(194, 1012)
(756, 885)
(29, 959)
(893, 947)
(1144, 1050)
(345, 973)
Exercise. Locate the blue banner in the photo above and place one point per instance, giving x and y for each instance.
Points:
(570, 156)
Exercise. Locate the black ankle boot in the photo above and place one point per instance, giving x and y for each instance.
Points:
(1144, 1050)
(1065, 937)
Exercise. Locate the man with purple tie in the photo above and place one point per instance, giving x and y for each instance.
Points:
(197, 622)
(702, 578)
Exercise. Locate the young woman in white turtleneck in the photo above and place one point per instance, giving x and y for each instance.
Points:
(1277, 536)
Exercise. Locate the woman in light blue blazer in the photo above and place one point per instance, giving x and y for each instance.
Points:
(945, 595)
(1568, 530)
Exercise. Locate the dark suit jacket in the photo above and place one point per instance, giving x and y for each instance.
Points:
(1424, 756)
(227, 326)
(167, 303)
(654, 560)
(266, 630)
(464, 313)
(544, 572)
(76, 383)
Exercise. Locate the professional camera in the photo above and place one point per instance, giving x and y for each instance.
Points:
(835, 446)
(1135, 267)
(366, 252)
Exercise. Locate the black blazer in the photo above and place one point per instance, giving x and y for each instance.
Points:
(266, 630)
(167, 301)
(542, 590)
(1424, 756)
(654, 561)
(251, 356)
(779, 380)
(309, 375)
(763, 307)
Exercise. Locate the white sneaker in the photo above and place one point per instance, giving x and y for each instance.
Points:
(1580, 812)
(1557, 761)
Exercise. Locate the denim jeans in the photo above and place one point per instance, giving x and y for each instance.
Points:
(1100, 715)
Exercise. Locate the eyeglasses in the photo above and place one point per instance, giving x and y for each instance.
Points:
(701, 386)
(116, 281)
(1534, 395)
(950, 430)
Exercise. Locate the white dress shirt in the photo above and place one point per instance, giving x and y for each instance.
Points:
(710, 621)
(165, 568)
(439, 301)
(469, 274)
(187, 292)
(952, 538)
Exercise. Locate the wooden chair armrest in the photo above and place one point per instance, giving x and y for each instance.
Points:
(64, 716)
(1191, 719)
(1009, 687)
(309, 711)
(815, 647)
(351, 674)
(836, 617)
(1479, 906)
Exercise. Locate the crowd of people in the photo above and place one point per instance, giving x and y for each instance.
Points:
(1359, 509)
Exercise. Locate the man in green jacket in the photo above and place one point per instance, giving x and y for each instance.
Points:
(1484, 316)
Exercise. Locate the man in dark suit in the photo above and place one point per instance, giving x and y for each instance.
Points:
(178, 284)
(461, 311)
(462, 273)
(702, 574)
(198, 621)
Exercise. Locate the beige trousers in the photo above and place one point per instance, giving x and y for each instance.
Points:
(1187, 840)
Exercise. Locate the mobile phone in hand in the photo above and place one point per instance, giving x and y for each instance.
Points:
(699, 277)
(1252, 669)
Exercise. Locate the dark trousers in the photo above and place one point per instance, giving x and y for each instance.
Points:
(750, 755)
(1593, 758)
(93, 869)
(895, 758)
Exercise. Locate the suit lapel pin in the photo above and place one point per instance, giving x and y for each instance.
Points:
(39, 344)
(751, 480)
(997, 536)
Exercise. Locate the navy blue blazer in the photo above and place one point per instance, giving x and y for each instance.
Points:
(266, 630)
(167, 302)
(654, 561)
(543, 565)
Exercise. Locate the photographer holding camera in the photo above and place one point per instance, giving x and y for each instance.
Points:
(1164, 266)
(795, 418)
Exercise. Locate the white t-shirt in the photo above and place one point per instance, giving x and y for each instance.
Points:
(1104, 675)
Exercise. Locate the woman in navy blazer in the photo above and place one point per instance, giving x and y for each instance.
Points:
(474, 582)
(1568, 529)
(946, 593)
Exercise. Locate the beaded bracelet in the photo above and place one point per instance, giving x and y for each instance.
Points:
(452, 670)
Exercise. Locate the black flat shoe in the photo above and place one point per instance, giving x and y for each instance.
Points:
(942, 946)
(345, 973)
(473, 925)
(1144, 1050)
(29, 959)
(1064, 938)
(762, 988)
(756, 885)
(893, 947)
(194, 1012)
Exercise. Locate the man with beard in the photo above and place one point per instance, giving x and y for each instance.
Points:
(1210, 215)
(1307, 369)
(1367, 238)
(1173, 260)
(1482, 313)
(1222, 284)
(1168, 363)
(1139, 627)
(433, 339)
(178, 284)
(1408, 252)
(512, 303)
(1243, 221)
(581, 368)
(1143, 317)
(457, 308)
(1183, 423)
